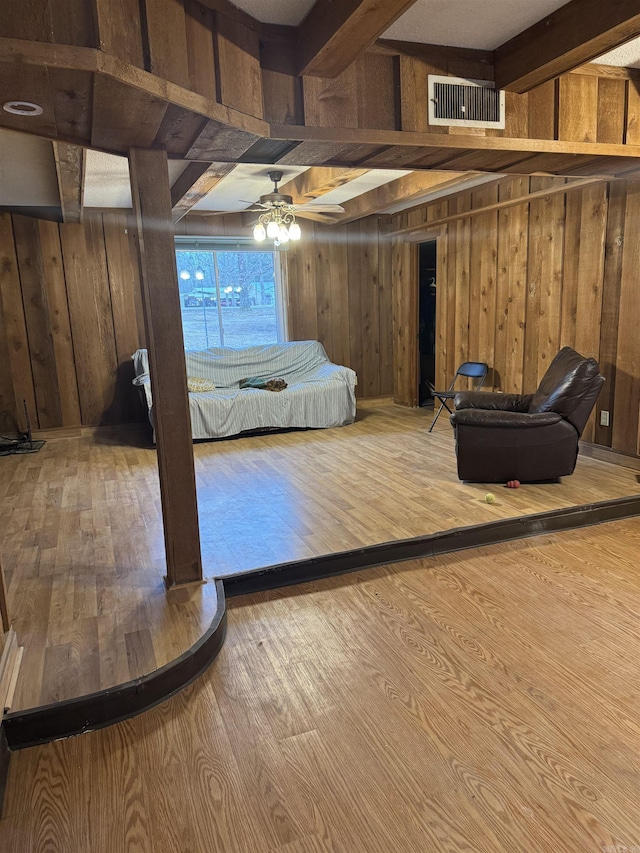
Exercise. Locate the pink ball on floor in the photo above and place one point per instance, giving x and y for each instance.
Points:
(513, 484)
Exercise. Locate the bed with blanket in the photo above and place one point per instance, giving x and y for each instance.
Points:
(318, 393)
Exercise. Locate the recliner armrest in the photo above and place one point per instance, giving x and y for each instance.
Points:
(495, 418)
(491, 401)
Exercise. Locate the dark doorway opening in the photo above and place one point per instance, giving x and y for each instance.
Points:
(427, 323)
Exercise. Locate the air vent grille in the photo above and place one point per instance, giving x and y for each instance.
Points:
(465, 103)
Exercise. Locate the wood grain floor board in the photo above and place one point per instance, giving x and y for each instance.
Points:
(437, 705)
(83, 545)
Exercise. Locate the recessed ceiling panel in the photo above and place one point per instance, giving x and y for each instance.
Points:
(27, 171)
(483, 24)
(290, 12)
(106, 181)
(358, 186)
(244, 185)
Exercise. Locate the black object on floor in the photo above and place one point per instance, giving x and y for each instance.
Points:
(24, 444)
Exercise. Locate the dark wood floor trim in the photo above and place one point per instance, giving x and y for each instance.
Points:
(105, 707)
(456, 539)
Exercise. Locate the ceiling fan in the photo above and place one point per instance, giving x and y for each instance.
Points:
(277, 199)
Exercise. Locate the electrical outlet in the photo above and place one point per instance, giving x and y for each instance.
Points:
(604, 418)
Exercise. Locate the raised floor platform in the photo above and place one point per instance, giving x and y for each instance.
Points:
(82, 540)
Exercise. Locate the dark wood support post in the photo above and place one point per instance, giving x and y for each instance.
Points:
(152, 207)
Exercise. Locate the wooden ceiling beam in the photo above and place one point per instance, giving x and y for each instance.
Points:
(334, 33)
(197, 180)
(574, 34)
(70, 170)
(409, 188)
(318, 181)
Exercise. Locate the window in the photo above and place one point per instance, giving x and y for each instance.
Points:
(229, 294)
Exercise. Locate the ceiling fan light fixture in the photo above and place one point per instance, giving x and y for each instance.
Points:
(294, 231)
(273, 229)
(259, 233)
(283, 234)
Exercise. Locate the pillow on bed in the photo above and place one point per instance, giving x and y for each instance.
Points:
(196, 384)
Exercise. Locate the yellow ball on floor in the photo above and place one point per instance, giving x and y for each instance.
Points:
(489, 498)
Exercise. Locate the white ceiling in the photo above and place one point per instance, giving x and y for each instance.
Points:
(482, 24)
(107, 179)
(27, 171)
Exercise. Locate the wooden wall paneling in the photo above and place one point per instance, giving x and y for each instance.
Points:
(119, 29)
(290, 278)
(56, 288)
(166, 32)
(414, 94)
(385, 289)
(550, 287)
(445, 317)
(542, 104)
(571, 278)
(29, 19)
(340, 281)
(370, 307)
(632, 136)
(511, 288)
(405, 322)
(324, 306)
(378, 101)
(124, 285)
(611, 111)
(578, 108)
(593, 223)
(200, 55)
(591, 264)
(91, 320)
(355, 303)
(38, 321)
(152, 206)
(282, 97)
(305, 289)
(534, 282)
(611, 283)
(482, 290)
(73, 22)
(15, 332)
(627, 381)
(238, 72)
(461, 282)
(332, 102)
(8, 409)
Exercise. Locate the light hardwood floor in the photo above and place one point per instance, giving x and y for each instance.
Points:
(82, 541)
(484, 701)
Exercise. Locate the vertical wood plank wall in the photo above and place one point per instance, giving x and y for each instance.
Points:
(70, 319)
(339, 292)
(515, 285)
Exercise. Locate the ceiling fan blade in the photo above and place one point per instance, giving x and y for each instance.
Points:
(308, 213)
(320, 208)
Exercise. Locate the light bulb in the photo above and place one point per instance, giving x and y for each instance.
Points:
(259, 233)
(283, 234)
(185, 275)
(273, 230)
(294, 231)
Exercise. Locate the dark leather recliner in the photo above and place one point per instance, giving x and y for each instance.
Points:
(527, 437)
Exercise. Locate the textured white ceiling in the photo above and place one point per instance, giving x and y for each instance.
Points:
(106, 182)
(27, 171)
(244, 185)
(482, 24)
(276, 11)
